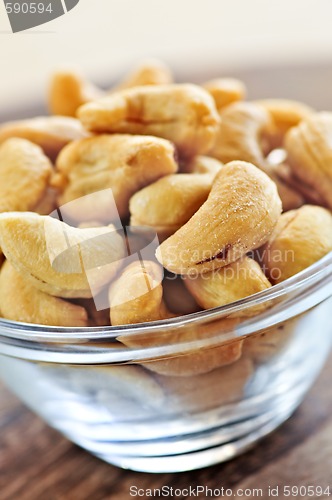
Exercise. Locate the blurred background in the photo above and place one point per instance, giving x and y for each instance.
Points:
(281, 48)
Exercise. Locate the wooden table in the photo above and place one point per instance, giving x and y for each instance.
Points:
(37, 463)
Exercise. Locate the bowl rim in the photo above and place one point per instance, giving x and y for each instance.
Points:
(318, 271)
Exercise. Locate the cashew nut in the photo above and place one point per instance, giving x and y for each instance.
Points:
(184, 114)
(239, 216)
(21, 301)
(150, 72)
(169, 203)
(202, 165)
(310, 154)
(121, 390)
(24, 175)
(199, 360)
(225, 91)
(137, 296)
(228, 284)
(301, 238)
(208, 390)
(122, 163)
(58, 259)
(285, 114)
(243, 135)
(264, 346)
(51, 133)
(68, 90)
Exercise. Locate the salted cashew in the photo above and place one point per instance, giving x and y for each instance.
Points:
(184, 114)
(137, 297)
(51, 133)
(290, 196)
(122, 163)
(202, 165)
(68, 90)
(170, 202)
(128, 390)
(285, 114)
(239, 215)
(264, 346)
(243, 135)
(285, 173)
(301, 238)
(228, 284)
(208, 390)
(21, 301)
(225, 91)
(24, 175)
(199, 360)
(309, 152)
(149, 72)
(59, 259)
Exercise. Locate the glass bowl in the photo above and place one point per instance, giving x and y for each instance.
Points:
(165, 403)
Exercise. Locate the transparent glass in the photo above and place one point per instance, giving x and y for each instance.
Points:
(165, 403)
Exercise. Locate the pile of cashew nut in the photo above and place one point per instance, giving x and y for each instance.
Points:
(213, 177)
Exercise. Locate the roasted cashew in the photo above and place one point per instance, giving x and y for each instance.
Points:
(169, 203)
(309, 152)
(68, 90)
(225, 91)
(207, 390)
(184, 114)
(121, 163)
(51, 133)
(137, 296)
(119, 389)
(199, 360)
(301, 238)
(59, 259)
(228, 284)
(24, 175)
(149, 72)
(202, 165)
(285, 114)
(310, 196)
(264, 346)
(243, 135)
(21, 301)
(239, 215)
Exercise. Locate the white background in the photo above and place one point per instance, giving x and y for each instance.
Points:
(104, 36)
